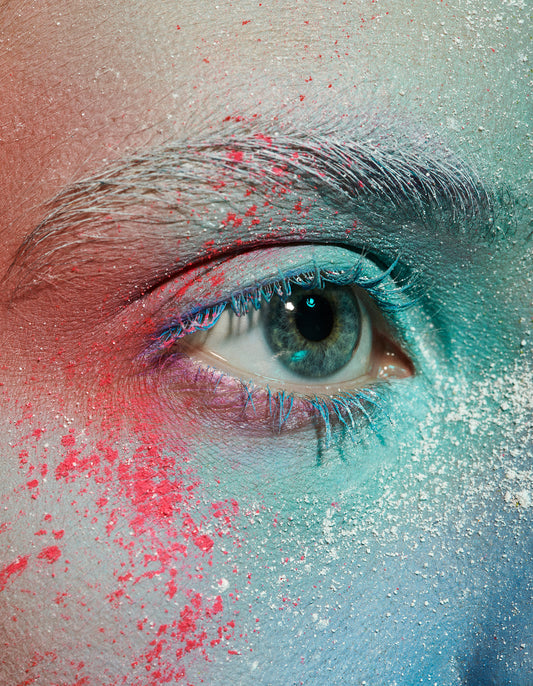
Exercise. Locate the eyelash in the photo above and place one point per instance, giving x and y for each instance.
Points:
(392, 291)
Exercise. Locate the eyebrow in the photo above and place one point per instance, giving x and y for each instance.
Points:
(373, 174)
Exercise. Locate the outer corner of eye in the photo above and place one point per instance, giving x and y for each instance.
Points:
(391, 362)
(388, 360)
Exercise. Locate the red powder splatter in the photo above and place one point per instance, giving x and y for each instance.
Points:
(72, 465)
(216, 608)
(153, 497)
(232, 218)
(236, 155)
(13, 570)
(262, 137)
(68, 440)
(50, 554)
(203, 542)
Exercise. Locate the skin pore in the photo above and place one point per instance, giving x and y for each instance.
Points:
(162, 524)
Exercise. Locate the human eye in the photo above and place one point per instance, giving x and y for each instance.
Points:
(287, 337)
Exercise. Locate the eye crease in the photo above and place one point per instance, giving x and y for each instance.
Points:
(314, 344)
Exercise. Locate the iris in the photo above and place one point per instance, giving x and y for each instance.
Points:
(314, 333)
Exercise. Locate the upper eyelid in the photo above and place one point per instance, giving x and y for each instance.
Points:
(311, 278)
(400, 294)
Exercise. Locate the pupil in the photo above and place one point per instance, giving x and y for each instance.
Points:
(314, 317)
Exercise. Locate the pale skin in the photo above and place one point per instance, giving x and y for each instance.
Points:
(146, 536)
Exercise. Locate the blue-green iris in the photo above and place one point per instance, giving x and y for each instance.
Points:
(313, 332)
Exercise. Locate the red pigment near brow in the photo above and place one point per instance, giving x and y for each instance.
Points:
(50, 554)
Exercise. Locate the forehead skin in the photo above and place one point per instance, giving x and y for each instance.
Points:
(140, 545)
(86, 83)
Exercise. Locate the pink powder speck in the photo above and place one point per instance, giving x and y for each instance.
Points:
(50, 554)
(12, 570)
(68, 440)
(203, 542)
(236, 155)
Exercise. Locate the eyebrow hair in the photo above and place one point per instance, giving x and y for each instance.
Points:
(372, 173)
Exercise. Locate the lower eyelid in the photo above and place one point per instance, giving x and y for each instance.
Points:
(199, 389)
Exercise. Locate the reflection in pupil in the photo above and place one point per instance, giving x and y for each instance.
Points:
(314, 317)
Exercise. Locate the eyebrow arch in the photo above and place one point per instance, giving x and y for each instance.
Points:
(369, 172)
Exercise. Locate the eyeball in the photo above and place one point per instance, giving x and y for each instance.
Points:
(314, 340)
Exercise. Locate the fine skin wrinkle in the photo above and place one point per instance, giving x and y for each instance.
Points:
(180, 502)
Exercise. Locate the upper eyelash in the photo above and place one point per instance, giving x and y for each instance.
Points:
(391, 296)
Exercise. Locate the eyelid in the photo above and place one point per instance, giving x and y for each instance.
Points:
(236, 282)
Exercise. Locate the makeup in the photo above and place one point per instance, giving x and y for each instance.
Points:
(198, 350)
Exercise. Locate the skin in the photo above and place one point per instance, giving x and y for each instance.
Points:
(147, 538)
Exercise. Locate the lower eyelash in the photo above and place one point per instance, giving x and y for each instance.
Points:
(275, 410)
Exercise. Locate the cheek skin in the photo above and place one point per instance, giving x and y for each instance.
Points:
(409, 543)
(108, 542)
(163, 547)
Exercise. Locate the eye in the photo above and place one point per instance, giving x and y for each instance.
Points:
(315, 342)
